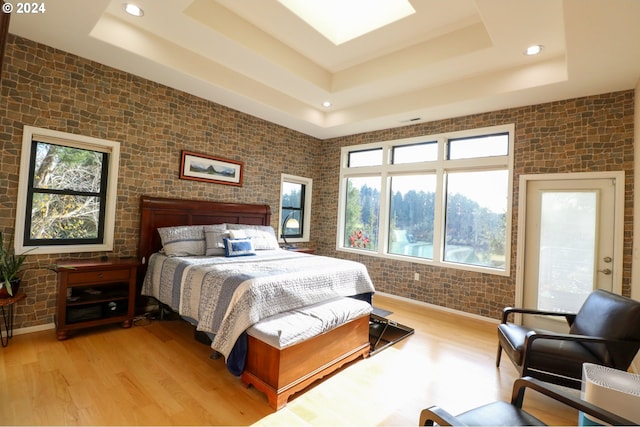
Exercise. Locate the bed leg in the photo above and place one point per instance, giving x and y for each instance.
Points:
(163, 310)
(277, 402)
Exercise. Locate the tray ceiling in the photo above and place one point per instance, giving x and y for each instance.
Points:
(450, 58)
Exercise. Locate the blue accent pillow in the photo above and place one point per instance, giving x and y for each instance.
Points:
(238, 247)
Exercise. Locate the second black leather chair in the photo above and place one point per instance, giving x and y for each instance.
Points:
(511, 414)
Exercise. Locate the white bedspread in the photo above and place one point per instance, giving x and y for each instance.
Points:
(225, 296)
(286, 329)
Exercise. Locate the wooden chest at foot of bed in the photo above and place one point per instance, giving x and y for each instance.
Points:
(282, 372)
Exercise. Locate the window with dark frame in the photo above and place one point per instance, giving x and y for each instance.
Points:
(66, 195)
(293, 201)
(359, 158)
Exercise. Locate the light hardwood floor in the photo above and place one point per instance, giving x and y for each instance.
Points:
(156, 374)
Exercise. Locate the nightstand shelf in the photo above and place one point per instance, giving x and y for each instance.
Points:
(95, 292)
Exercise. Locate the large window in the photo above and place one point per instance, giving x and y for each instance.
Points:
(440, 199)
(295, 208)
(67, 193)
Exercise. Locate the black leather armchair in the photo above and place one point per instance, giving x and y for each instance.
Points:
(512, 414)
(605, 331)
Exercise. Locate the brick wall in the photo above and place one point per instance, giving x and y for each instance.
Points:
(578, 135)
(48, 88)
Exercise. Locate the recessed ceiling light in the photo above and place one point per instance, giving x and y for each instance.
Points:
(326, 104)
(533, 50)
(132, 9)
(344, 20)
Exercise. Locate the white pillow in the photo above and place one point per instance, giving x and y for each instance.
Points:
(238, 234)
(185, 240)
(214, 237)
(263, 236)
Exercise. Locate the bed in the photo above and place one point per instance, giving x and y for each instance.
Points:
(224, 296)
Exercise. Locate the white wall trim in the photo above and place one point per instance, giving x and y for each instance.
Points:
(306, 227)
(70, 140)
(31, 329)
(438, 308)
(635, 263)
(635, 258)
(618, 176)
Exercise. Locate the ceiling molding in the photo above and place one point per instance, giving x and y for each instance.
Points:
(448, 59)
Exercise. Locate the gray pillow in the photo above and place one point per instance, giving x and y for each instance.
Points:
(214, 238)
(185, 240)
(263, 236)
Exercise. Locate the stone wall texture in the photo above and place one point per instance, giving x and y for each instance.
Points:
(578, 135)
(48, 88)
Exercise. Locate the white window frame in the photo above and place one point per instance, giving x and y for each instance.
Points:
(70, 140)
(438, 167)
(306, 226)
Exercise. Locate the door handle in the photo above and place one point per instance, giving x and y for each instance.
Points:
(606, 271)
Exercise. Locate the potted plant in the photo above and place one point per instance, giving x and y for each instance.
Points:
(10, 264)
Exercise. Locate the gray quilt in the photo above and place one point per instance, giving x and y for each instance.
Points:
(225, 296)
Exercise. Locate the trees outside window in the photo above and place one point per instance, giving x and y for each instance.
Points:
(67, 192)
(66, 196)
(441, 199)
(362, 213)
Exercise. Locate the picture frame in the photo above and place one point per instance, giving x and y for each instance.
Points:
(205, 168)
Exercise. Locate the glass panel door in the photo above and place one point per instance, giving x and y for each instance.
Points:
(569, 245)
(567, 249)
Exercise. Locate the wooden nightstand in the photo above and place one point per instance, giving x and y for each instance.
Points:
(95, 292)
(303, 250)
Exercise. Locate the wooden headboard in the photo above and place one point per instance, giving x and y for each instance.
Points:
(162, 212)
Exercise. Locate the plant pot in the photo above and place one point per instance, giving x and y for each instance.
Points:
(15, 285)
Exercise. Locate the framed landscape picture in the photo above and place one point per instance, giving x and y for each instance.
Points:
(201, 167)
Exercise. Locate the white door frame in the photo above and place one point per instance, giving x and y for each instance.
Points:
(618, 246)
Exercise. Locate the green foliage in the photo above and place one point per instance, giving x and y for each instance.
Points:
(468, 224)
(414, 212)
(10, 263)
(66, 202)
(353, 218)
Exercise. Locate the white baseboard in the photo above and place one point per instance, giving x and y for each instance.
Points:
(31, 329)
(635, 365)
(438, 308)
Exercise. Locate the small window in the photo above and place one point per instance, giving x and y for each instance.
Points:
(67, 193)
(295, 208)
(479, 146)
(365, 158)
(414, 153)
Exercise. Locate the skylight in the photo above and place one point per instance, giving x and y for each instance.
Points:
(344, 20)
